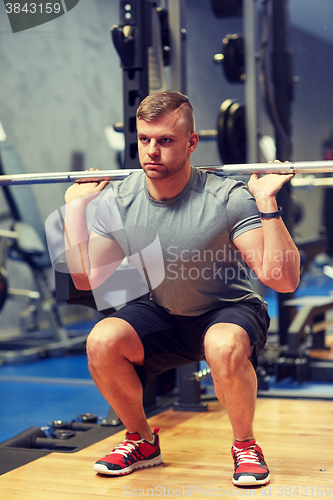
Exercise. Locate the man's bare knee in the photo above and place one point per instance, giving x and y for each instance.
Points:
(114, 337)
(227, 348)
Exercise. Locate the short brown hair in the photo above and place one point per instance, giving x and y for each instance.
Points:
(156, 105)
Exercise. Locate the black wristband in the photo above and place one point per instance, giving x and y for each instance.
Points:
(272, 215)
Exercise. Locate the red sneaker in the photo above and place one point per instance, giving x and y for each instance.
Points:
(133, 453)
(250, 465)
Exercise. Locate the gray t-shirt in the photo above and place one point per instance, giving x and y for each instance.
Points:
(184, 245)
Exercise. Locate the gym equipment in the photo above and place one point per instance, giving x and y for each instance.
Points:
(3, 287)
(222, 137)
(62, 437)
(143, 39)
(132, 38)
(232, 58)
(236, 133)
(25, 241)
(3, 273)
(306, 332)
(189, 389)
(165, 35)
(227, 8)
(231, 133)
(301, 167)
(309, 320)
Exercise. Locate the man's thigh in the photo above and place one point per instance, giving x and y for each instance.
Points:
(168, 341)
(245, 324)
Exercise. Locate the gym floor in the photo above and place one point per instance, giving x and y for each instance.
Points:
(39, 391)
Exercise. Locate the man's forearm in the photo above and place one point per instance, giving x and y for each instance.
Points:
(76, 244)
(281, 261)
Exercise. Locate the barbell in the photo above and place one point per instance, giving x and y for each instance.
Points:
(301, 167)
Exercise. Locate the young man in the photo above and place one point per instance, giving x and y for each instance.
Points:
(205, 307)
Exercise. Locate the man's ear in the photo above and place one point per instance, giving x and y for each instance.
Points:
(193, 141)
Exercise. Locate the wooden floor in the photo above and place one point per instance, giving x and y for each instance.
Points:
(296, 436)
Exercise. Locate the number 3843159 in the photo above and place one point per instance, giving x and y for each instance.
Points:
(33, 8)
(292, 491)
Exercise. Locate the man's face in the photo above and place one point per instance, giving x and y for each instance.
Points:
(164, 146)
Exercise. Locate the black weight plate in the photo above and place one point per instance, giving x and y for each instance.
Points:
(165, 35)
(87, 418)
(63, 434)
(222, 130)
(59, 424)
(236, 133)
(3, 287)
(233, 58)
(227, 8)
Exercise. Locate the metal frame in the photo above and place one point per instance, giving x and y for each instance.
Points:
(132, 38)
(178, 67)
(251, 83)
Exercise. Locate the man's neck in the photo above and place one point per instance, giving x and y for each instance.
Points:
(166, 189)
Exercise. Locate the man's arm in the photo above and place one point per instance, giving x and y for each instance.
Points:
(91, 258)
(270, 250)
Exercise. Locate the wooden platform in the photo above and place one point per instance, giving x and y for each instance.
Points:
(296, 437)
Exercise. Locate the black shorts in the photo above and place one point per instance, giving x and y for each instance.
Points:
(170, 341)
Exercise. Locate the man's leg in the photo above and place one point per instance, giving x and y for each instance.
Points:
(113, 348)
(228, 349)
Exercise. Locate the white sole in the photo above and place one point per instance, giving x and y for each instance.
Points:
(251, 481)
(102, 469)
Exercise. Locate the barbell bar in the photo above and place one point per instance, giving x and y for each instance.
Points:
(301, 167)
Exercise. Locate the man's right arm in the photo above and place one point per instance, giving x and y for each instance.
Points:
(91, 259)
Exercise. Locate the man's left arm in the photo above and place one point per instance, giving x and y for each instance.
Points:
(270, 250)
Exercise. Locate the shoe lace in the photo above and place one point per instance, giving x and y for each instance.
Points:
(127, 447)
(248, 455)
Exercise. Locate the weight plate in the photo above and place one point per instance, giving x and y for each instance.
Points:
(87, 418)
(165, 35)
(236, 133)
(222, 130)
(233, 58)
(3, 287)
(59, 424)
(63, 434)
(227, 8)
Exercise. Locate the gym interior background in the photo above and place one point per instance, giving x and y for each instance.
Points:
(61, 86)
